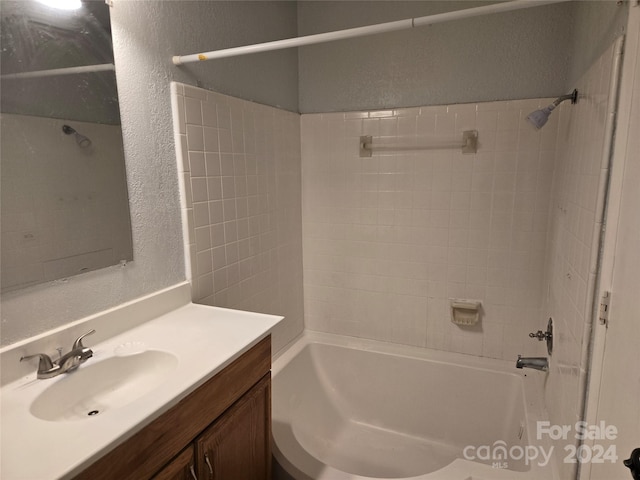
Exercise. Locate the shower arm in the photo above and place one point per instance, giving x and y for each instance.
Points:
(573, 96)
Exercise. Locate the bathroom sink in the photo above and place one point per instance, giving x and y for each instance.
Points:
(98, 387)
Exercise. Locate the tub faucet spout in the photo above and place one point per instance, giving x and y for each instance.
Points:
(538, 363)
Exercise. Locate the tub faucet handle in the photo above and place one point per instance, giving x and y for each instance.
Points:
(540, 335)
(545, 336)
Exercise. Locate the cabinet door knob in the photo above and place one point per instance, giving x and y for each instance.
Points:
(206, 459)
(193, 473)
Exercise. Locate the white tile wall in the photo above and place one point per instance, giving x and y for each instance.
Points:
(65, 209)
(241, 188)
(388, 240)
(576, 207)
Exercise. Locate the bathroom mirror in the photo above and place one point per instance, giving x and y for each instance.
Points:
(64, 202)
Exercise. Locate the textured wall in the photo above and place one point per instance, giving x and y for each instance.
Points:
(577, 201)
(240, 165)
(524, 54)
(186, 27)
(521, 54)
(388, 240)
(146, 35)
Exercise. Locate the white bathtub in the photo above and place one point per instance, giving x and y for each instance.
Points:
(346, 408)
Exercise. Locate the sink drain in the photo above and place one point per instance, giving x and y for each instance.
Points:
(93, 412)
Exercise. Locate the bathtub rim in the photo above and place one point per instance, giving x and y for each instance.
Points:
(532, 383)
(307, 337)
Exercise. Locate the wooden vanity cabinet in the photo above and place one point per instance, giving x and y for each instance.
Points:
(226, 421)
(182, 467)
(237, 446)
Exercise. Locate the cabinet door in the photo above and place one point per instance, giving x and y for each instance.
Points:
(238, 445)
(180, 468)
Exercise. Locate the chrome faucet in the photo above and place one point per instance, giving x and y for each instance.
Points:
(538, 363)
(66, 363)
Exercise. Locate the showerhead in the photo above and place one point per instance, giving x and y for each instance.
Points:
(81, 140)
(540, 117)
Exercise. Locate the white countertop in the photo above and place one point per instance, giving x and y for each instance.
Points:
(204, 340)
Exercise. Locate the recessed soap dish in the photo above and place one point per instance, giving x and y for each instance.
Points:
(465, 312)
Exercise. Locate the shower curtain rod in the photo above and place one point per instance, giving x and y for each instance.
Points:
(362, 31)
(60, 71)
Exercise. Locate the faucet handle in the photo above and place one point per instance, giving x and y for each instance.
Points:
(45, 361)
(78, 342)
(540, 335)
